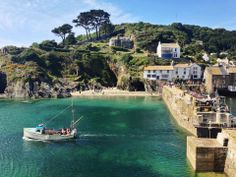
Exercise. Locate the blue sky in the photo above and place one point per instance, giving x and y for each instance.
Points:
(25, 21)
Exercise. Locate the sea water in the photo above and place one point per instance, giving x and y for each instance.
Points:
(118, 137)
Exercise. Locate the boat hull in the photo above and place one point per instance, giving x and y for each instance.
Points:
(30, 133)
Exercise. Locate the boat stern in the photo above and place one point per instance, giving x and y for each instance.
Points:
(74, 133)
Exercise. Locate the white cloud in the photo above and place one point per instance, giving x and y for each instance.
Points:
(27, 21)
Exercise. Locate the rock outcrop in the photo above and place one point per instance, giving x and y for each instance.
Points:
(37, 88)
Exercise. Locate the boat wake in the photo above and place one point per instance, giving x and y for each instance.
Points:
(98, 135)
(90, 135)
(26, 101)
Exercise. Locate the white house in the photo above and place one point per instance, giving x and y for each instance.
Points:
(168, 50)
(159, 72)
(190, 71)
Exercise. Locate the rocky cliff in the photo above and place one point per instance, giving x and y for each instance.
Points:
(35, 88)
(48, 70)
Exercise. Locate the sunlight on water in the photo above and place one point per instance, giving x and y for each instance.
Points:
(118, 137)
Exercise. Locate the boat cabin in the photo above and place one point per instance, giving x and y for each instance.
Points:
(40, 128)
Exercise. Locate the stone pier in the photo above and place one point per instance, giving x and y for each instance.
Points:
(230, 162)
(206, 154)
(181, 107)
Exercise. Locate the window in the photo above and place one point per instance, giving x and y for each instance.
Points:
(148, 75)
(184, 72)
(154, 71)
(165, 76)
(149, 71)
(176, 72)
(167, 71)
(153, 76)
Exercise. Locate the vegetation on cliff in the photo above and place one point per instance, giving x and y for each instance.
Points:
(88, 62)
(193, 39)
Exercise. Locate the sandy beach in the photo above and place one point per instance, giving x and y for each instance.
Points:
(113, 92)
(2, 96)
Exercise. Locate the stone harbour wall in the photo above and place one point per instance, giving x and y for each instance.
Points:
(180, 106)
(206, 154)
(230, 163)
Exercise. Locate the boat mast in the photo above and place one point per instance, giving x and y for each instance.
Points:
(73, 114)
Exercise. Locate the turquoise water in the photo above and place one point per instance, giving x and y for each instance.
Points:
(118, 137)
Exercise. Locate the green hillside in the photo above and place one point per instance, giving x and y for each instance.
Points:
(81, 64)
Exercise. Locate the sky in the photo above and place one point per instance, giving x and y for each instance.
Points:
(23, 22)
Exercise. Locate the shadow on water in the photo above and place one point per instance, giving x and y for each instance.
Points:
(117, 138)
(96, 167)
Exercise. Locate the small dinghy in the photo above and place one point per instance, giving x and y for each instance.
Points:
(42, 133)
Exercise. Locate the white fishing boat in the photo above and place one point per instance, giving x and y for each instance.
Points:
(42, 133)
(48, 135)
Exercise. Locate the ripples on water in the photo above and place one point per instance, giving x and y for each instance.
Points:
(118, 137)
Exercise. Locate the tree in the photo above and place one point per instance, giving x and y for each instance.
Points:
(62, 31)
(107, 28)
(70, 39)
(54, 62)
(85, 20)
(100, 17)
(92, 20)
(48, 45)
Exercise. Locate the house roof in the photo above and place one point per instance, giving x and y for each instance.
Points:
(183, 65)
(170, 45)
(232, 70)
(217, 70)
(149, 68)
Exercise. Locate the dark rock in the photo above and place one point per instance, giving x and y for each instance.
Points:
(3, 82)
(36, 88)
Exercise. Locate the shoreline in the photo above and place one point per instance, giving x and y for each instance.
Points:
(113, 92)
(109, 92)
(2, 96)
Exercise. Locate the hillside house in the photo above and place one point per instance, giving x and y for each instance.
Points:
(220, 78)
(190, 71)
(159, 73)
(168, 50)
(123, 42)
